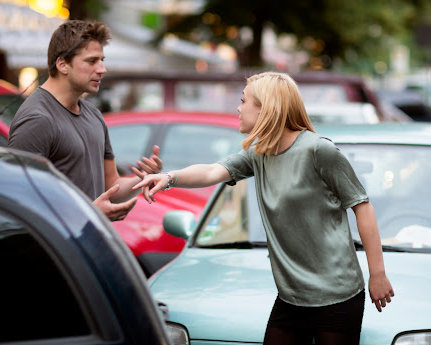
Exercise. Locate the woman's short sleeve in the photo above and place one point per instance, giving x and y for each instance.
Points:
(239, 165)
(338, 174)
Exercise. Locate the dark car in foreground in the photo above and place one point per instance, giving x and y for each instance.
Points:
(66, 276)
(221, 289)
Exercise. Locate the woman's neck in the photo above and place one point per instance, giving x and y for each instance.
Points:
(287, 139)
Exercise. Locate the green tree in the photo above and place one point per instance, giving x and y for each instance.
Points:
(85, 9)
(337, 29)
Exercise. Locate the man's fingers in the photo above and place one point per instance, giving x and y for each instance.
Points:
(158, 161)
(147, 166)
(138, 172)
(111, 191)
(156, 150)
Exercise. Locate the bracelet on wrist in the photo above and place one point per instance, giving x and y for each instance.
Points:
(171, 181)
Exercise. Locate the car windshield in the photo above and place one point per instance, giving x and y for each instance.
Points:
(395, 177)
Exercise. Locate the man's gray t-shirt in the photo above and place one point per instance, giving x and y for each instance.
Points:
(77, 144)
(303, 194)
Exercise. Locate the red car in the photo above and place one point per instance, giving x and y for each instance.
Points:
(184, 138)
(9, 98)
(10, 101)
(4, 132)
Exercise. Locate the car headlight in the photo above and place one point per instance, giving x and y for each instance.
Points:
(413, 338)
(177, 334)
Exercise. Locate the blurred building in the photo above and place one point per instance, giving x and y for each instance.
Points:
(25, 35)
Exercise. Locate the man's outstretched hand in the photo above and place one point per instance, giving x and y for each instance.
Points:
(114, 211)
(152, 165)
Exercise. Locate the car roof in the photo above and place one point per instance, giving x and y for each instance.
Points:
(312, 76)
(7, 88)
(168, 116)
(346, 112)
(408, 133)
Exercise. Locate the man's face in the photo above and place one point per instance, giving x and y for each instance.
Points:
(87, 68)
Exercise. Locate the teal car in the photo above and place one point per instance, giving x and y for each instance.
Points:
(220, 289)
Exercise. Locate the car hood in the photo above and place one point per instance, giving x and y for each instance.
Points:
(227, 294)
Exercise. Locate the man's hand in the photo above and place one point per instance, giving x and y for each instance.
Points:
(152, 165)
(114, 211)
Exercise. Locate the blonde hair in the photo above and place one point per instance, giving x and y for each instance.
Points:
(281, 107)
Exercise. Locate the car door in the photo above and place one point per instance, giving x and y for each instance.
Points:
(66, 278)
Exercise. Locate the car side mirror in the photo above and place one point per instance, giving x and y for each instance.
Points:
(179, 223)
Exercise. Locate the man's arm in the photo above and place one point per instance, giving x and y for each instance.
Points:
(32, 134)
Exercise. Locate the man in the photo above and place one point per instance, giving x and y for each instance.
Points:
(57, 123)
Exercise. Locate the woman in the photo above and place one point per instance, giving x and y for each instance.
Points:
(304, 186)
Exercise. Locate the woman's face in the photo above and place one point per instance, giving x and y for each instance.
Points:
(248, 111)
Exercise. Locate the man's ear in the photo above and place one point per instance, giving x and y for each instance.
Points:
(62, 66)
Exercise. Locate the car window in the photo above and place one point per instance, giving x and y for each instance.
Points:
(206, 96)
(396, 178)
(129, 143)
(233, 218)
(187, 144)
(36, 301)
(129, 95)
(322, 93)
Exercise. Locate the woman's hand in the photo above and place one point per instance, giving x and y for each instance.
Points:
(380, 290)
(150, 184)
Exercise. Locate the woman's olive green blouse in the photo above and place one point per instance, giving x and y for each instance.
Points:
(303, 193)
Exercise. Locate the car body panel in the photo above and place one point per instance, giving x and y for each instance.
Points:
(410, 133)
(234, 300)
(132, 117)
(226, 294)
(110, 284)
(214, 294)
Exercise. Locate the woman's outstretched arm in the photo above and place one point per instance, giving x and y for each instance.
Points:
(193, 176)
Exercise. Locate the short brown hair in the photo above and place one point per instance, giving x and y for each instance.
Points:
(70, 37)
(281, 107)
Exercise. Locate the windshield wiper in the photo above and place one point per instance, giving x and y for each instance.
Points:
(235, 245)
(386, 248)
(358, 245)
